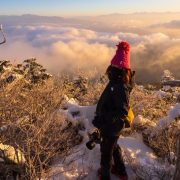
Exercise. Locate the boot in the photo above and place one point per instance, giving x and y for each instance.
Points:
(120, 175)
(103, 175)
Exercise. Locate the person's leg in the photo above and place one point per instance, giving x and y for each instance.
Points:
(107, 146)
(118, 159)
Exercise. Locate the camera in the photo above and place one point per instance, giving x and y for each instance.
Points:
(94, 138)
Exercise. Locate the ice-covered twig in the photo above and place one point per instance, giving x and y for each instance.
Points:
(4, 38)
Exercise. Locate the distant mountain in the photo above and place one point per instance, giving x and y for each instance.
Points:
(143, 17)
(140, 23)
(133, 18)
(28, 18)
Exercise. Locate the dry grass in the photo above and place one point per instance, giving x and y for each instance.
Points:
(147, 104)
(35, 126)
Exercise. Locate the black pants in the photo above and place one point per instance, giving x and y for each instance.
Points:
(109, 149)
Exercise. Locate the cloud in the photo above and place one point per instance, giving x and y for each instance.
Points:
(152, 56)
(172, 24)
(65, 48)
(80, 54)
(57, 48)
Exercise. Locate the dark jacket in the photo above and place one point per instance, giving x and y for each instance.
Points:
(112, 107)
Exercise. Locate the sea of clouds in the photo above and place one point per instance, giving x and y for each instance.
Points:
(68, 46)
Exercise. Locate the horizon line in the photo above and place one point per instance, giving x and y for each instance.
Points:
(94, 15)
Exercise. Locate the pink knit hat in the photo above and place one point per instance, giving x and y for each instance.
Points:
(122, 56)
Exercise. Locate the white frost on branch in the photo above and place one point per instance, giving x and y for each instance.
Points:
(173, 113)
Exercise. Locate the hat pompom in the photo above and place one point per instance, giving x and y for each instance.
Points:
(124, 45)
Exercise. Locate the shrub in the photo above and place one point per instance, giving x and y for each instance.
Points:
(34, 125)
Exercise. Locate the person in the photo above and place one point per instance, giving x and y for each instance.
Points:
(111, 112)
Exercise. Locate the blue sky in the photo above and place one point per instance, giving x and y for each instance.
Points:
(85, 7)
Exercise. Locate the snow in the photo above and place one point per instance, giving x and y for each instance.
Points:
(76, 113)
(3, 128)
(171, 92)
(173, 113)
(83, 163)
(135, 145)
(160, 94)
(167, 88)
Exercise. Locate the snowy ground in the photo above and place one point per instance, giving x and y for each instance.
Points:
(83, 163)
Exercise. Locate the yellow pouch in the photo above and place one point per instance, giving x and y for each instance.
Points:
(129, 118)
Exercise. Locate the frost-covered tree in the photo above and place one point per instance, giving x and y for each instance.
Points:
(34, 72)
(30, 71)
(76, 87)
